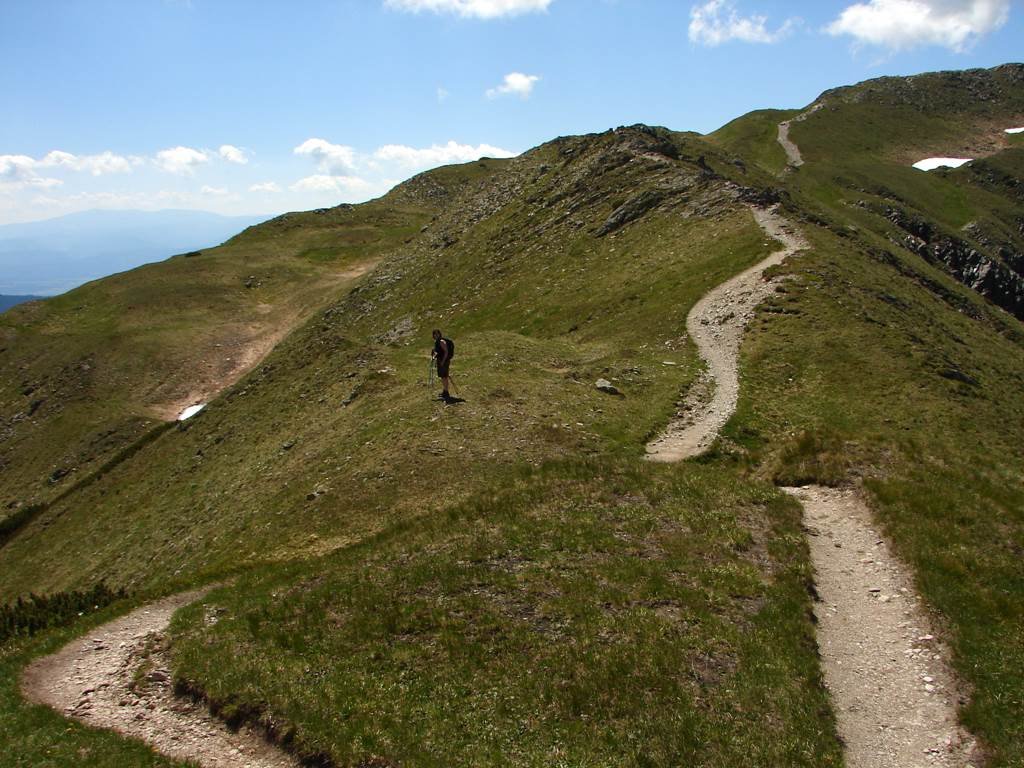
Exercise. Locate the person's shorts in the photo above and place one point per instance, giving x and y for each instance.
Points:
(442, 368)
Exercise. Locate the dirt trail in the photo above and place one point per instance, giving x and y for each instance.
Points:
(793, 156)
(118, 677)
(894, 694)
(716, 325)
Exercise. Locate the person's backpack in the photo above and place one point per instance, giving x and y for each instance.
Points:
(451, 347)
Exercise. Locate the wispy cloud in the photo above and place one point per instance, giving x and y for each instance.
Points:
(266, 186)
(717, 21)
(328, 183)
(480, 9)
(903, 24)
(412, 158)
(19, 171)
(97, 165)
(514, 83)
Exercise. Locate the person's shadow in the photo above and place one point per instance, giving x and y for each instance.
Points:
(452, 400)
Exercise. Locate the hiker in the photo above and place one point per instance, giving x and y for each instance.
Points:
(442, 354)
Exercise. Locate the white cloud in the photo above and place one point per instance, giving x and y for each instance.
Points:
(717, 21)
(442, 95)
(215, 191)
(902, 24)
(233, 154)
(480, 9)
(325, 183)
(18, 171)
(266, 186)
(333, 159)
(97, 165)
(514, 83)
(16, 168)
(181, 160)
(429, 157)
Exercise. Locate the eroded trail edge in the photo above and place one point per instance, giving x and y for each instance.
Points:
(894, 694)
(716, 325)
(118, 677)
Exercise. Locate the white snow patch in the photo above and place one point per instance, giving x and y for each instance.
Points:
(191, 411)
(1015, 130)
(931, 163)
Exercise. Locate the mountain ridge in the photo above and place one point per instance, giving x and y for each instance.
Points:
(556, 592)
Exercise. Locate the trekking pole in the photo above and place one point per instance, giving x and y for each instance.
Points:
(431, 368)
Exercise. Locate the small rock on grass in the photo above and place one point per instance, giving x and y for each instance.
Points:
(606, 386)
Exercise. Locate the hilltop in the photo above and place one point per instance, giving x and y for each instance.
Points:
(506, 580)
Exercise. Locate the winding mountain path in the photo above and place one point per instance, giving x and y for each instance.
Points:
(894, 694)
(716, 325)
(118, 677)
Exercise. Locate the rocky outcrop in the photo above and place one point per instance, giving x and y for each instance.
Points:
(957, 90)
(630, 210)
(999, 277)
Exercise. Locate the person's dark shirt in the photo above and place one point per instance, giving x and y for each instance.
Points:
(441, 351)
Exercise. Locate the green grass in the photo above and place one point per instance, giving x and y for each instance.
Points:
(91, 371)
(225, 491)
(505, 581)
(280, 478)
(753, 137)
(576, 614)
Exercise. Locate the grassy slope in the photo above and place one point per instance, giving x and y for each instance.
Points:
(227, 488)
(545, 605)
(700, 576)
(912, 386)
(94, 369)
(753, 137)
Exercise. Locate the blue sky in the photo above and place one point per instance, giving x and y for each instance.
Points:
(259, 107)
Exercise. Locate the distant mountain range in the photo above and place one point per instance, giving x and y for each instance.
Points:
(52, 256)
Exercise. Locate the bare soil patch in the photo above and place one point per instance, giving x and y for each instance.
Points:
(227, 357)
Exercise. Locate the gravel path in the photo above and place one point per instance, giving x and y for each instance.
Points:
(894, 694)
(793, 155)
(716, 325)
(118, 677)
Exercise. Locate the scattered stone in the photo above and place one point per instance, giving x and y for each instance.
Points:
(606, 386)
